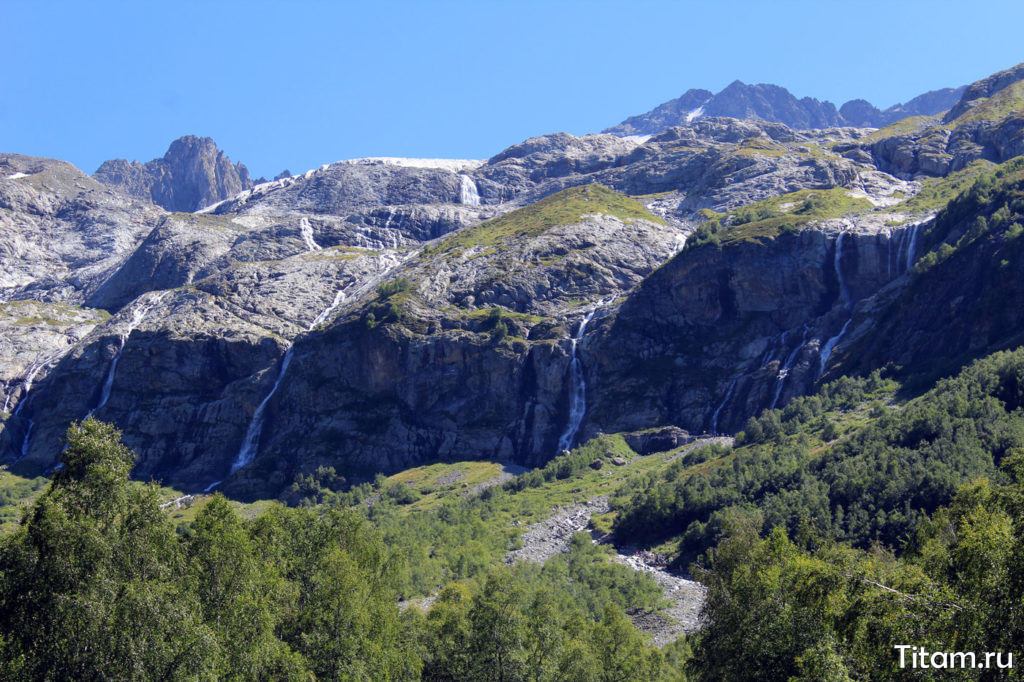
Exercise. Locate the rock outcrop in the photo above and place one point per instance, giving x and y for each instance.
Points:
(192, 174)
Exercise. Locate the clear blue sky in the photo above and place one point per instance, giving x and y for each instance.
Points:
(297, 84)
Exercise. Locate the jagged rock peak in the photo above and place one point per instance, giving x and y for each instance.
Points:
(738, 100)
(193, 174)
(774, 103)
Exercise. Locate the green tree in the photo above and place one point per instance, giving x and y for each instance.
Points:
(90, 582)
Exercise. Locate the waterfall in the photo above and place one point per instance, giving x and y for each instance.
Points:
(252, 434)
(467, 191)
(577, 390)
(306, 230)
(250, 444)
(26, 387)
(725, 401)
(913, 244)
(888, 258)
(844, 291)
(138, 315)
(784, 371)
(826, 350)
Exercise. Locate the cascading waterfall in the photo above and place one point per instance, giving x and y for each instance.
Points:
(138, 315)
(844, 291)
(888, 257)
(468, 193)
(913, 245)
(250, 444)
(26, 387)
(252, 434)
(577, 389)
(306, 230)
(784, 371)
(826, 350)
(721, 406)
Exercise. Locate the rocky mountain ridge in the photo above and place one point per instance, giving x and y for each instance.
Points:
(773, 103)
(378, 313)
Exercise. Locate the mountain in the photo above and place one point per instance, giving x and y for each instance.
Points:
(774, 103)
(193, 174)
(374, 314)
(861, 113)
(758, 102)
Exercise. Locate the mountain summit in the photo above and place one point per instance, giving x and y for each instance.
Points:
(193, 174)
(766, 102)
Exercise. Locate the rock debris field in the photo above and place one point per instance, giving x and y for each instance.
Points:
(552, 536)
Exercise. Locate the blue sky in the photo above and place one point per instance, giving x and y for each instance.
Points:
(297, 84)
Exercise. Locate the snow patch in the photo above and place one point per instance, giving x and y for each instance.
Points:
(454, 165)
(15, 176)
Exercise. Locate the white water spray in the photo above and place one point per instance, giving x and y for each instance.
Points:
(577, 389)
(468, 193)
(784, 371)
(725, 401)
(306, 230)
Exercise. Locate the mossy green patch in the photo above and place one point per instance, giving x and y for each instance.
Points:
(937, 192)
(17, 492)
(906, 126)
(771, 217)
(1008, 101)
(567, 207)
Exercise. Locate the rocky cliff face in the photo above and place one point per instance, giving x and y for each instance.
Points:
(378, 313)
(191, 175)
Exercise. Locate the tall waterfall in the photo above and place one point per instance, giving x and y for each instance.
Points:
(252, 435)
(780, 381)
(250, 443)
(844, 295)
(721, 406)
(844, 290)
(30, 377)
(913, 245)
(577, 389)
(467, 191)
(138, 315)
(306, 230)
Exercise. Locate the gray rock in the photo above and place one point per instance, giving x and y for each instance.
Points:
(191, 175)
